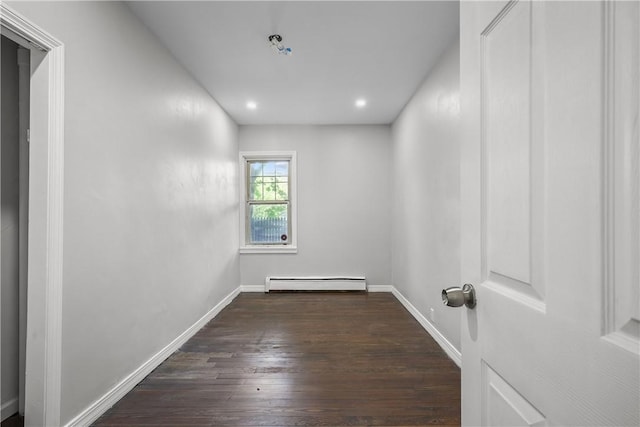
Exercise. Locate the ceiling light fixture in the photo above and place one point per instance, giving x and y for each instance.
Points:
(276, 44)
(360, 103)
(251, 105)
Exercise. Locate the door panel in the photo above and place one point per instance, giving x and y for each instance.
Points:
(551, 212)
(506, 53)
(510, 159)
(503, 405)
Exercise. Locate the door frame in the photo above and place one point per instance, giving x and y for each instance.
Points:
(45, 259)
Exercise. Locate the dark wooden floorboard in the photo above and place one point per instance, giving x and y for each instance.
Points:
(13, 421)
(300, 359)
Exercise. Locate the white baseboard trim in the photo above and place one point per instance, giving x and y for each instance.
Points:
(379, 288)
(100, 406)
(9, 408)
(252, 288)
(446, 345)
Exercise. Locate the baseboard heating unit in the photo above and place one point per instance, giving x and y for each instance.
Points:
(325, 283)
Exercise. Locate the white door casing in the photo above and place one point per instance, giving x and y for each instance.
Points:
(550, 212)
(45, 241)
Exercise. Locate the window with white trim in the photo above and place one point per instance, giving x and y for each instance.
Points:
(268, 208)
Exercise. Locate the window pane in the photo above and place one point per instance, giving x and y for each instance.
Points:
(282, 191)
(269, 188)
(269, 224)
(282, 169)
(269, 168)
(269, 193)
(255, 168)
(256, 191)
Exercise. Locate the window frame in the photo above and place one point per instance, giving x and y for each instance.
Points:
(291, 246)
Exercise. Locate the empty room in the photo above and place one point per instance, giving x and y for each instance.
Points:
(279, 213)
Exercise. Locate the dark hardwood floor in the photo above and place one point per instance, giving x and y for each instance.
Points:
(301, 359)
(13, 421)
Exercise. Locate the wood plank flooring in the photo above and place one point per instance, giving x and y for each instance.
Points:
(13, 421)
(300, 359)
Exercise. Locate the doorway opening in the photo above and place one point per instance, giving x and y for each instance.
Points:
(14, 219)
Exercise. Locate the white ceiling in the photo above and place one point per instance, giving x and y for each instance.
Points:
(342, 50)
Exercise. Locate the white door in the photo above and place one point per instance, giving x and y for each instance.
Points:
(551, 212)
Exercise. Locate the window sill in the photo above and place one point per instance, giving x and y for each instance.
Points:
(276, 249)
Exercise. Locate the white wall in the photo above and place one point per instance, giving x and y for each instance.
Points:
(426, 195)
(9, 221)
(344, 192)
(151, 197)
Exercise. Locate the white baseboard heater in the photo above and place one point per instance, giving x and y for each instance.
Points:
(318, 283)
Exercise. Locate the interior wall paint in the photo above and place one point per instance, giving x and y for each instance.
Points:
(9, 221)
(343, 202)
(151, 197)
(426, 195)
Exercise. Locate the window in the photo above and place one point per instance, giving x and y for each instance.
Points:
(268, 210)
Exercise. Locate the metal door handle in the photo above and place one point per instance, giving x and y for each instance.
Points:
(456, 296)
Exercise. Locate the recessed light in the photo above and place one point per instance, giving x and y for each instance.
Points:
(251, 105)
(361, 103)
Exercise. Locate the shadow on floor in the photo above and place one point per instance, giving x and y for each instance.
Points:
(13, 421)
